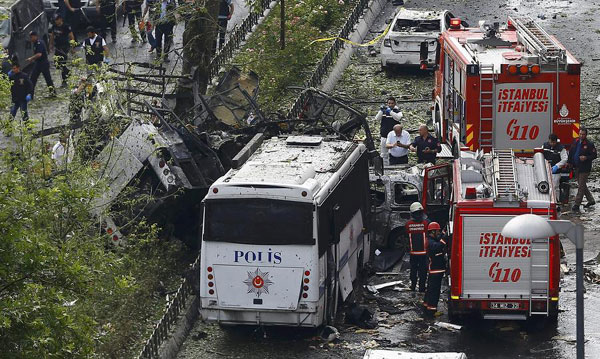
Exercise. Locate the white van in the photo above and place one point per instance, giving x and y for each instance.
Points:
(409, 31)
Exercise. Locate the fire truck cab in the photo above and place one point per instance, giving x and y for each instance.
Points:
(490, 275)
(504, 87)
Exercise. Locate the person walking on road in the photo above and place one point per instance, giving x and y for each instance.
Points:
(108, 13)
(164, 28)
(581, 155)
(416, 228)
(152, 8)
(133, 9)
(21, 91)
(398, 143)
(41, 65)
(556, 154)
(436, 246)
(95, 48)
(61, 37)
(388, 116)
(426, 146)
(225, 12)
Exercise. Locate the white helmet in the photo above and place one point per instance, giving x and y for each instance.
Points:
(416, 206)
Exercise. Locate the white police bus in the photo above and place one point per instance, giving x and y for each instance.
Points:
(284, 234)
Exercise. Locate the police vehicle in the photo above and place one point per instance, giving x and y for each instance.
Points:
(284, 234)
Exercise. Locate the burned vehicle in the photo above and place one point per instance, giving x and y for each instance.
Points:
(392, 193)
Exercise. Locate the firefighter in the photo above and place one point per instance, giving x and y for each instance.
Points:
(388, 116)
(61, 37)
(20, 90)
(436, 247)
(581, 155)
(556, 154)
(41, 65)
(416, 228)
(426, 146)
(95, 48)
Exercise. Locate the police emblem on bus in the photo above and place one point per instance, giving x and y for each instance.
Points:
(258, 282)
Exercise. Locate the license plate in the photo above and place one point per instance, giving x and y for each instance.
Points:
(504, 305)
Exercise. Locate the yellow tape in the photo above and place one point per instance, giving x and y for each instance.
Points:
(372, 42)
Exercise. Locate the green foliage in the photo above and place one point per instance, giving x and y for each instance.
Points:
(278, 69)
(65, 290)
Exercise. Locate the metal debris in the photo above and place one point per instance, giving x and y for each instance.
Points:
(376, 287)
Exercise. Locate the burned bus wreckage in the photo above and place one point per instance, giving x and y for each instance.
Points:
(167, 158)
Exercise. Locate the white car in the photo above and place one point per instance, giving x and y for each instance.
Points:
(409, 29)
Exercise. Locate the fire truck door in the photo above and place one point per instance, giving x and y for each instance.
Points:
(437, 184)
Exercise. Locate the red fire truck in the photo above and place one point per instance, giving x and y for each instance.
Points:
(504, 87)
(490, 275)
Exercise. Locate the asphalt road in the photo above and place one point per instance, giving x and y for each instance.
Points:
(575, 25)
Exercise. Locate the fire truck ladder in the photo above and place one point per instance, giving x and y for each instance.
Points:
(504, 179)
(539, 275)
(486, 106)
(537, 40)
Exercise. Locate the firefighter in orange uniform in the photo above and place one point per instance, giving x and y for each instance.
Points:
(436, 244)
(416, 228)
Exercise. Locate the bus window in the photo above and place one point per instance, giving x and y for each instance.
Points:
(405, 194)
(258, 221)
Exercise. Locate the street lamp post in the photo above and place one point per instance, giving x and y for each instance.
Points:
(531, 226)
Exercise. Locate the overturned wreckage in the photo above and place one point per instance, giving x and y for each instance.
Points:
(171, 159)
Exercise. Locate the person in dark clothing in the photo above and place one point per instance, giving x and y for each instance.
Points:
(41, 65)
(20, 91)
(133, 9)
(153, 8)
(581, 155)
(388, 116)
(163, 30)
(426, 146)
(95, 48)
(225, 12)
(556, 154)
(436, 245)
(108, 12)
(416, 228)
(61, 36)
(71, 12)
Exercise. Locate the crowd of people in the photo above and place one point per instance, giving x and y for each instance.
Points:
(153, 25)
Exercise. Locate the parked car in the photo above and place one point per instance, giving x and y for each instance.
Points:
(411, 30)
(19, 18)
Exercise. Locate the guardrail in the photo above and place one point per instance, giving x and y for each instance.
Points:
(169, 318)
(322, 68)
(237, 37)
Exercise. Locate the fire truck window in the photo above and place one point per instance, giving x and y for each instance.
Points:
(378, 193)
(405, 194)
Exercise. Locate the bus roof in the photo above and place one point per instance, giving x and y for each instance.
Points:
(293, 165)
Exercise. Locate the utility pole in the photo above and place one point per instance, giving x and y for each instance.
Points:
(282, 34)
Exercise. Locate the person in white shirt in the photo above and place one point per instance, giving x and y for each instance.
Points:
(59, 151)
(388, 116)
(398, 142)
